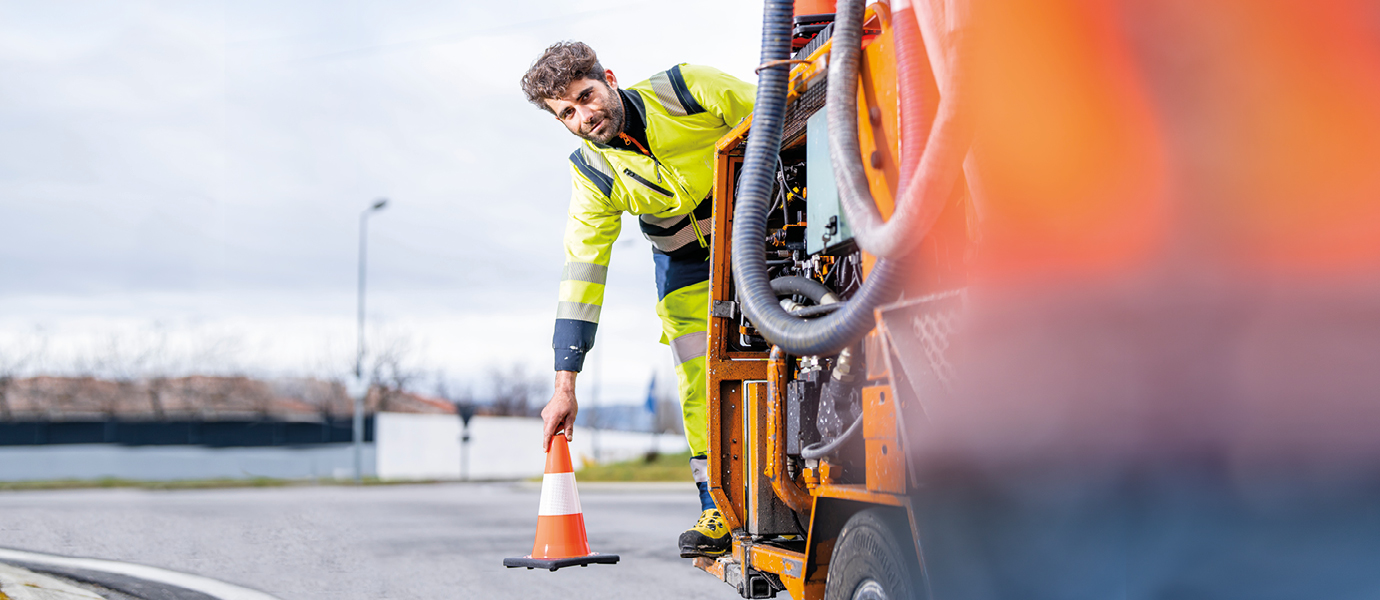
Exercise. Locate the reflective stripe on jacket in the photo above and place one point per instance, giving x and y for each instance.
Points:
(686, 109)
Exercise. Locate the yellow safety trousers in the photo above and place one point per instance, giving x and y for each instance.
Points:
(684, 320)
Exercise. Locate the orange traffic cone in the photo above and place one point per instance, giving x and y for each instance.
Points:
(561, 540)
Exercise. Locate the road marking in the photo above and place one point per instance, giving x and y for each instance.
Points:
(205, 585)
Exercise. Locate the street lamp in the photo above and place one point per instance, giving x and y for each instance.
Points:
(358, 435)
(464, 410)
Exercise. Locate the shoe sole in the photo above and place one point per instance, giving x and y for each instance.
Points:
(692, 553)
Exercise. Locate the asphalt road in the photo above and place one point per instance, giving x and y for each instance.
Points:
(396, 542)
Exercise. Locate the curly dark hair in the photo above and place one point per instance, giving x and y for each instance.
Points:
(560, 64)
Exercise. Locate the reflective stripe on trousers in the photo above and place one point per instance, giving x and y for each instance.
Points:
(699, 468)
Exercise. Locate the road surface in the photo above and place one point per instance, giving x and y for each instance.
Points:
(397, 542)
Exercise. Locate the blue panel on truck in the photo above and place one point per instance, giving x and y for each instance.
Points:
(822, 195)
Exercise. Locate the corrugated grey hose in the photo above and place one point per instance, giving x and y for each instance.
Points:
(801, 337)
(803, 286)
(929, 167)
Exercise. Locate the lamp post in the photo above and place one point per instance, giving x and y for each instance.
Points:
(464, 410)
(358, 435)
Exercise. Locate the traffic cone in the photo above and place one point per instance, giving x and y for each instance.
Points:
(561, 540)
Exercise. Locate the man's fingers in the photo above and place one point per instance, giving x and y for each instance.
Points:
(548, 431)
(570, 430)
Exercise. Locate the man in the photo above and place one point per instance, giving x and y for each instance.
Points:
(647, 150)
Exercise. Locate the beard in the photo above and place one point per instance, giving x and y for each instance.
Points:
(612, 116)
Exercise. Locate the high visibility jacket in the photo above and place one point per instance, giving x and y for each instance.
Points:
(685, 109)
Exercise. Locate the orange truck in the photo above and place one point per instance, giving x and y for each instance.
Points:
(1134, 162)
(808, 426)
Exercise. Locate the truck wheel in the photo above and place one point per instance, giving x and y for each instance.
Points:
(874, 560)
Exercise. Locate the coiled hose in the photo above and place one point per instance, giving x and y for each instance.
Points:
(930, 168)
(801, 337)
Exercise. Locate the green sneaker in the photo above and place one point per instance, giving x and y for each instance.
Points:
(709, 537)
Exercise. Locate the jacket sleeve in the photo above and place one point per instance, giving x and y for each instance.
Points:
(720, 93)
(591, 229)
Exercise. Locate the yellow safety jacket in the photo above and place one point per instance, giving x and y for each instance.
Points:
(685, 110)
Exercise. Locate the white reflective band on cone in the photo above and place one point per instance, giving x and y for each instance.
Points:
(558, 495)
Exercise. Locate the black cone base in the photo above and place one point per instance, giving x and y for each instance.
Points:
(552, 564)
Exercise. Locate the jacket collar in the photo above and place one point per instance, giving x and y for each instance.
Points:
(634, 118)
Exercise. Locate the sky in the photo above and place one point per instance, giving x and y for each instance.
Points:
(195, 172)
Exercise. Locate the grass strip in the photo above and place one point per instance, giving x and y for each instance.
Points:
(652, 467)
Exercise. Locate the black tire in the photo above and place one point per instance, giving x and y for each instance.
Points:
(874, 559)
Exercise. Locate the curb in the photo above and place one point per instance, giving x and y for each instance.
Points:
(18, 583)
(116, 573)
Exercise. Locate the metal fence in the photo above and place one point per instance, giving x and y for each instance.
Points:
(215, 434)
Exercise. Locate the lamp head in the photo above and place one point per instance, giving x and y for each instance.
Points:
(382, 202)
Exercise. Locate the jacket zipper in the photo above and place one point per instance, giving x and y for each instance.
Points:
(642, 180)
(694, 223)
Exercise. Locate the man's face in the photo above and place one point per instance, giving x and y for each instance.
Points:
(590, 109)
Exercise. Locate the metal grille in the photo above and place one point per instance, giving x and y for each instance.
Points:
(815, 42)
(804, 107)
(933, 329)
(800, 111)
(920, 331)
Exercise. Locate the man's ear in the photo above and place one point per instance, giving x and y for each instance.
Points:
(613, 81)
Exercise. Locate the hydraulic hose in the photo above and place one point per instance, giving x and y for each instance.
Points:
(801, 337)
(785, 487)
(816, 451)
(804, 286)
(930, 168)
(817, 310)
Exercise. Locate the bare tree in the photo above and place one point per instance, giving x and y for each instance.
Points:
(157, 370)
(391, 370)
(512, 389)
(59, 393)
(216, 394)
(6, 382)
(215, 354)
(459, 395)
(326, 397)
(260, 396)
(215, 358)
(325, 389)
(452, 392)
(119, 359)
(17, 357)
(156, 385)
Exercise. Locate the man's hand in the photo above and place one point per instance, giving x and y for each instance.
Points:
(559, 414)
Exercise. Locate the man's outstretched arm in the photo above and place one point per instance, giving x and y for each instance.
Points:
(559, 414)
(589, 236)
